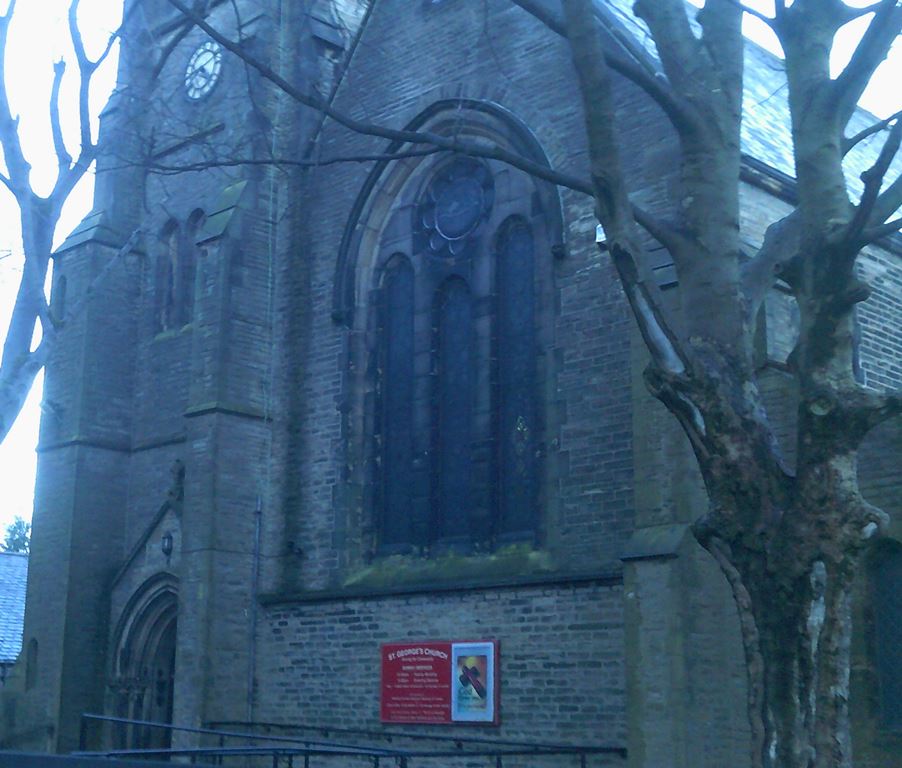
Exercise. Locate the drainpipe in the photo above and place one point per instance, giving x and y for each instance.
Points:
(252, 640)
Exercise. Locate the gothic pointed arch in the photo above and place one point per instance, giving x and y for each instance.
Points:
(395, 430)
(449, 298)
(516, 395)
(462, 117)
(176, 271)
(167, 280)
(453, 412)
(142, 665)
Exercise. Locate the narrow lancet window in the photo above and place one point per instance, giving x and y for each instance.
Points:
(516, 381)
(453, 407)
(396, 406)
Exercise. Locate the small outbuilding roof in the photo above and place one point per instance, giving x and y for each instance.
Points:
(13, 576)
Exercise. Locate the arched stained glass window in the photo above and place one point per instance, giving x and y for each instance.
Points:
(457, 322)
(395, 430)
(887, 585)
(516, 380)
(176, 268)
(168, 278)
(58, 301)
(188, 265)
(453, 407)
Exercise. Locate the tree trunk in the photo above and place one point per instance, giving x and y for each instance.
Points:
(797, 646)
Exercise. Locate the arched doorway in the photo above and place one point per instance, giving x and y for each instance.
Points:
(143, 675)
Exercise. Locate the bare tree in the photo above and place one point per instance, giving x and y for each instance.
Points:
(789, 539)
(39, 216)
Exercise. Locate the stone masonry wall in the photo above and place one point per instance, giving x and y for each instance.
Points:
(561, 650)
(496, 53)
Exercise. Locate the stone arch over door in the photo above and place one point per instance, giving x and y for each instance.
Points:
(142, 669)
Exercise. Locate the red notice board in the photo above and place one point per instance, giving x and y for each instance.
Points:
(416, 683)
(419, 684)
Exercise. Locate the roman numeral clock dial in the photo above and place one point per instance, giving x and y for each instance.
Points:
(202, 72)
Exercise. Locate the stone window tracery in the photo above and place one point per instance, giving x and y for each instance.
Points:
(176, 267)
(457, 428)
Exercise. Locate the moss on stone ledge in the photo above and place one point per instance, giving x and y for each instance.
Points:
(399, 570)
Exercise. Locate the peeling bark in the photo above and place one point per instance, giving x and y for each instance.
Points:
(788, 542)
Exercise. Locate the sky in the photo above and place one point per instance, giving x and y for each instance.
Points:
(39, 35)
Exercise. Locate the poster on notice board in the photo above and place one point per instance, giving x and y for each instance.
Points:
(440, 682)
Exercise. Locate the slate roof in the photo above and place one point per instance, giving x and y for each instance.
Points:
(766, 134)
(13, 574)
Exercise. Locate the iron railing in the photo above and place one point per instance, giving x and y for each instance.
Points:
(311, 746)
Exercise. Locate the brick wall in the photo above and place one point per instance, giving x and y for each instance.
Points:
(561, 651)
(588, 461)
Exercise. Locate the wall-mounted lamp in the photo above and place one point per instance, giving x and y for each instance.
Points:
(166, 544)
(601, 239)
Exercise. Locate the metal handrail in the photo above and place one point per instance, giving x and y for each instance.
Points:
(469, 747)
(202, 731)
(390, 735)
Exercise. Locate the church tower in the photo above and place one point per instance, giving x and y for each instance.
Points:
(154, 446)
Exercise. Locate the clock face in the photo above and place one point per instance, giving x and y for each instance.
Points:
(203, 70)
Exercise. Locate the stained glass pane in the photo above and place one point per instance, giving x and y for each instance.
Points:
(454, 407)
(397, 405)
(516, 379)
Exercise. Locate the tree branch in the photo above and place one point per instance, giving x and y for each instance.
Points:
(866, 409)
(770, 21)
(63, 158)
(880, 125)
(666, 350)
(625, 58)
(108, 48)
(682, 55)
(850, 14)
(663, 231)
(86, 68)
(16, 164)
(544, 14)
(774, 259)
(873, 180)
(869, 53)
(288, 162)
(873, 234)
(613, 208)
(169, 48)
(15, 384)
(68, 177)
(888, 202)
(463, 146)
(721, 22)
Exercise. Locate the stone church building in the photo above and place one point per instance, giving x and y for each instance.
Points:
(349, 392)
